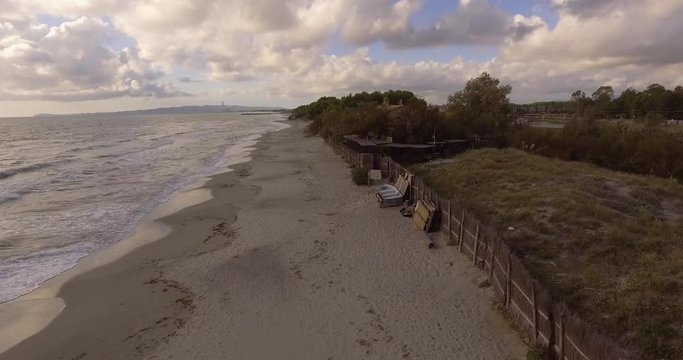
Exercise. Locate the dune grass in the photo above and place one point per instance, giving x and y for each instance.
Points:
(609, 244)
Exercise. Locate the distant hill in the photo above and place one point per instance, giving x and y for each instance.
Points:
(205, 109)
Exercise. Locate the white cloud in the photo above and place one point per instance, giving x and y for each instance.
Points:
(640, 34)
(72, 61)
(243, 40)
(340, 75)
(593, 8)
(231, 40)
(257, 41)
(369, 21)
(282, 47)
(476, 22)
(634, 44)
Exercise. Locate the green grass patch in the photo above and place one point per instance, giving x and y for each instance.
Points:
(607, 243)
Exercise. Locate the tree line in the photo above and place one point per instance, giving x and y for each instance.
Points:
(649, 150)
(407, 118)
(654, 102)
(482, 108)
(482, 113)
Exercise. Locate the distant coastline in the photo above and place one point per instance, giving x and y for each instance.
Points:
(204, 109)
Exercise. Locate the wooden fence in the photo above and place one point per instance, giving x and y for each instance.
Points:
(544, 319)
(356, 159)
(353, 157)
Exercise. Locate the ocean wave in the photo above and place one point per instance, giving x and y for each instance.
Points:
(92, 147)
(13, 196)
(100, 195)
(106, 156)
(4, 174)
(18, 274)
(154, 144)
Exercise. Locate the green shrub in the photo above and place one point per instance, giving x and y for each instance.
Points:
(359, 175)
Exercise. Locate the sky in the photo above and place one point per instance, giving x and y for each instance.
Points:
(71, 56)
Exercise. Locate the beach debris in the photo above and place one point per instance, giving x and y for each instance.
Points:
(392, 195)
(407, 210)
(430, 242)
(374, 176)
(424, 214)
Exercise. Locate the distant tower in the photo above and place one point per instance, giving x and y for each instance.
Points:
(222, 106)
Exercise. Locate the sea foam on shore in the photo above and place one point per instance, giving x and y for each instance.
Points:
(71, 186)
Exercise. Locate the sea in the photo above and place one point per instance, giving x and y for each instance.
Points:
(70, 186)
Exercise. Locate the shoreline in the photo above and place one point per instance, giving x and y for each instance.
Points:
(45, 240)
(135, 269)
(287, 260)
(30, 313)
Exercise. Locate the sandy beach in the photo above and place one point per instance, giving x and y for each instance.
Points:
(288, 260)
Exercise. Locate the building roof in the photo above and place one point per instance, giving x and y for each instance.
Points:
(383, 143)
(359, 140)
(390, 107)
(408, 146)
(449, 141)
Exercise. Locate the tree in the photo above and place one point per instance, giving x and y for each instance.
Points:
(675, 101)
(654, 98)
(396, 96)
(580, 102)
(482, 106)
(627, 102)
(602, 99)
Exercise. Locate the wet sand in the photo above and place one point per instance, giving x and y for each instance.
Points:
(288, 260)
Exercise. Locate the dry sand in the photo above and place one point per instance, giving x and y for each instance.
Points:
(289, 260)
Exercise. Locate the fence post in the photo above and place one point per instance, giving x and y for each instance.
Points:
(550, 309)
(493, 257)
(476, 245)
(449, 221)
(533, 302)
(562, 336)
(507, 283)
(413, 191)
(462, 227)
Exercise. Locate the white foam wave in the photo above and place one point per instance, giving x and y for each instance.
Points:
(89, 203)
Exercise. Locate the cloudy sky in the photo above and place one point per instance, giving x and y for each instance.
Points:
(65, 56)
